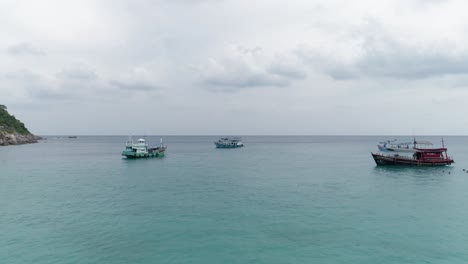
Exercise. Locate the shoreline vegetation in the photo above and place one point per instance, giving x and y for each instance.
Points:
(13, 131)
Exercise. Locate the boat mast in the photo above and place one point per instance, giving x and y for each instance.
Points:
(443, 146)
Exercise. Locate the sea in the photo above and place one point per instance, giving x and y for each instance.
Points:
(279, 199)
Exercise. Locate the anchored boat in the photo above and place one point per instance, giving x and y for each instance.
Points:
(401, 146)
(420, 157)
(142, 150)
(229, 142)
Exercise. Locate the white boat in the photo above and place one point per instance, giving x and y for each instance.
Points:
(402, 146)
(229, 142)
(142, 150)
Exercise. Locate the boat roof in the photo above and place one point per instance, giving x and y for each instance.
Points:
(423, 142)
(230, 138)
(401, 143)
(396, 142)
(435, 150)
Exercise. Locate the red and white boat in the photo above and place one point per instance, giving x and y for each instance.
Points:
(420, 157)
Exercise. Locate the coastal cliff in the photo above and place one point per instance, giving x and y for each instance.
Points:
(13, 131)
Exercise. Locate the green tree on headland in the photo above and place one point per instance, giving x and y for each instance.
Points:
(9, 123)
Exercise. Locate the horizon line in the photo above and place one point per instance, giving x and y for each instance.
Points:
(254, 135)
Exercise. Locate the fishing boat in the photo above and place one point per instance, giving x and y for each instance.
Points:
(142, 150)
(420, 157)
(229, 142)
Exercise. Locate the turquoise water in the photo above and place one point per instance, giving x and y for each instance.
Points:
(277, 200)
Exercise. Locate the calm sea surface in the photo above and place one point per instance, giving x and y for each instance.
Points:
(277, 200)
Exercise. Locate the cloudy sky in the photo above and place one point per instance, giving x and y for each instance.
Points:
(210, 67)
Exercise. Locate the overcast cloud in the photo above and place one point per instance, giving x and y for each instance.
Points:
(236, 66)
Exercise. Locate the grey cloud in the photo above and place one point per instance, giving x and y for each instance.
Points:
(37, 86)
(384, 56)
(24, 49)
(326, 64)
(248, 69)
(43, 91)
(194, 1)
(245, 50)
(233, 81)
(418, 4)
(134, 85)
(21, 75)
(287, 71)
(341, 73)
(399, 61)
(78, 74)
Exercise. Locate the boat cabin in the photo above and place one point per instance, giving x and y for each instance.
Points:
(140, 147)
(430, 154)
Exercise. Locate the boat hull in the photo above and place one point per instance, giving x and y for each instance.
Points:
(218, 145)
(133, 155)
(405, 161)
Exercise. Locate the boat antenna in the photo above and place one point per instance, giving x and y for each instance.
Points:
(443, 145)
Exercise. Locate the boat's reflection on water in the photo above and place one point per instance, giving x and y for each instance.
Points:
(421, 172)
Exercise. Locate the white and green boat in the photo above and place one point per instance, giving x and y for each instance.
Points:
(142, 150)
(229, 142)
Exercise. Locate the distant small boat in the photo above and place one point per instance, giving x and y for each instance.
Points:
(72, 137)
(229, 142)
(142, 150)
(420, 157)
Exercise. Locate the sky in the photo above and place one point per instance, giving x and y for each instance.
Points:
(236, 67)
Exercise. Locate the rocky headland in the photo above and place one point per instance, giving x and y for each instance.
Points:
(13, 131)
